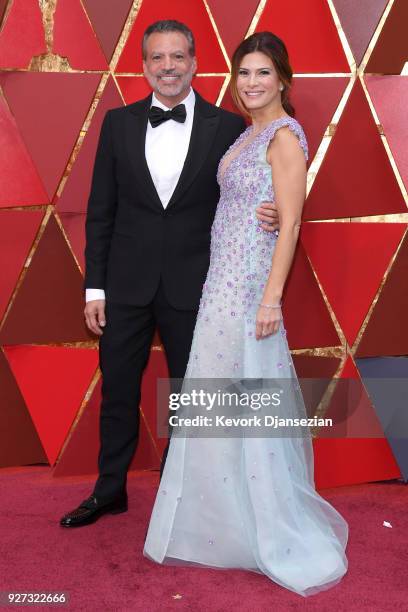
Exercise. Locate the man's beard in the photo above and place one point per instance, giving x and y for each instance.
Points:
(172, 91)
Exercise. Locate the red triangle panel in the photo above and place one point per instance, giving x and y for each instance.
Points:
(19, 441)
(359, 20)
(356, 178)
(51, 122)
(387, 330)
(24, 17)
(53, 381)
(389, 95)
(232, 28)
(309, 33)
(108, 19)
(391, 50)
(49, 304)
(350, 260)
(20, 184)
(75, 39)
(302, 288)
(17, 233)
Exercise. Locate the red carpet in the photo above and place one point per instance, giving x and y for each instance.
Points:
(102, 568)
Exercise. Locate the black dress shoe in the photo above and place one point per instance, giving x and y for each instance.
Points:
(91, 509)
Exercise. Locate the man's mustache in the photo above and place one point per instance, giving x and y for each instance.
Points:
(175, 74)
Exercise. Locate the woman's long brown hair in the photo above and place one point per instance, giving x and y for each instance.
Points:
(272, 46)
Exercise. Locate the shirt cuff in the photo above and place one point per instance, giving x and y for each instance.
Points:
(94, 294)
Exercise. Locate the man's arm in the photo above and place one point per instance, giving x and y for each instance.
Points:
(100, 218)
(267, 213)
(101, 209)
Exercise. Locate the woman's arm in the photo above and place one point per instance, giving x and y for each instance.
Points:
(289, 172)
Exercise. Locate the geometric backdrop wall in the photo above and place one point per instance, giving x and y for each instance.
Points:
(63, 64)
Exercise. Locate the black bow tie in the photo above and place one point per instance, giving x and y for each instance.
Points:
(159, 115)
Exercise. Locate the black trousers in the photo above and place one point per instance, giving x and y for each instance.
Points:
(124, 349)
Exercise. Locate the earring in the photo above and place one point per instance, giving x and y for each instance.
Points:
(281, 87)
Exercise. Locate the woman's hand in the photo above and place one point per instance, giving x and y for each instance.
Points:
(267, 321)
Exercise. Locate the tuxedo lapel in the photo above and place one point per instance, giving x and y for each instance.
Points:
(204, 128)
(135, 142)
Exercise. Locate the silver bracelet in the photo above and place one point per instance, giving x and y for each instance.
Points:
(271, 305)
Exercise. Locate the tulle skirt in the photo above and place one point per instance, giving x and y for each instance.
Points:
(247, 502)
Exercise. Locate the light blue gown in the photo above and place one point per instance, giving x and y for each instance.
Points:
(246, 502)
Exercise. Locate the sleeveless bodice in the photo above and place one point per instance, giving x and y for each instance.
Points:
(241, 249)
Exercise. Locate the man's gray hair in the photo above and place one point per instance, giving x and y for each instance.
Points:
(169, 25)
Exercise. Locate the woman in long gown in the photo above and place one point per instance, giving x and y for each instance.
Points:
(244, 501)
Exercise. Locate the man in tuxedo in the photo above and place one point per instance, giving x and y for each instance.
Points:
(151, 206)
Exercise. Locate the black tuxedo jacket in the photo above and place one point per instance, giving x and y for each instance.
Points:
(131, 240)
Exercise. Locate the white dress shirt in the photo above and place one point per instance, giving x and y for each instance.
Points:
(166, 150)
